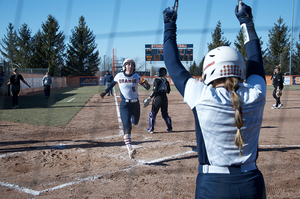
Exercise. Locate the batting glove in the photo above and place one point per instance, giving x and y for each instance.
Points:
(245, 17)
(170, 13)
(102, 94)
(245, 14)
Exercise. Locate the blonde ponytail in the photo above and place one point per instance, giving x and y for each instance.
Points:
(231, 84)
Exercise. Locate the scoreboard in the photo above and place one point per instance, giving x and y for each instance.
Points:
(154, 52)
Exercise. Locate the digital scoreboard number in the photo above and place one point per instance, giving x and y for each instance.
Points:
(154, 52)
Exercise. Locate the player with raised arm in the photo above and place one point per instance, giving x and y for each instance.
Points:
(128, 82)
(228, 110)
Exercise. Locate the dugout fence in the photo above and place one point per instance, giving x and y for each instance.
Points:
(99, 80)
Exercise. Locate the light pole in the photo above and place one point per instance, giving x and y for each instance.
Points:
(291, 45)
(104, 62)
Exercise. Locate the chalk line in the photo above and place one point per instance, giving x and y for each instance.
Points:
(142, 162)
(118, 114)
(71, 99)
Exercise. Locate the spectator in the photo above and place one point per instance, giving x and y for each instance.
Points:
(47, 81)
(14, 82)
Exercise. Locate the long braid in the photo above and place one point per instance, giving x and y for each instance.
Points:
(231, 84)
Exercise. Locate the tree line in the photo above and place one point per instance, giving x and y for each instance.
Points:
(47, 49)
(277, 51)
(80, 57)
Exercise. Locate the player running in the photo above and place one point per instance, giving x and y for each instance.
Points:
(128, 82)
(161, 87)
(228, 110)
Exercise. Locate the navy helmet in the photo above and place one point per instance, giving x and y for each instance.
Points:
(161, 72)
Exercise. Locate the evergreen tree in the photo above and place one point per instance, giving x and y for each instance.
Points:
(278, 48)
(38, 51)
(82, 57)
(200, 68)
(217, 38)
(193, 68)
(8, 44)
(240, 46)
(23, 44)
(53, 45)
(296, 59)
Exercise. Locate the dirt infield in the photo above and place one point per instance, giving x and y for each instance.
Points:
(87, 158)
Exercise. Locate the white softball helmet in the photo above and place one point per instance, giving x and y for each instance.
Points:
(223, 62)
(126, 61)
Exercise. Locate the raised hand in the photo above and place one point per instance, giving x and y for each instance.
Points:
(170, 13)
(244, 14)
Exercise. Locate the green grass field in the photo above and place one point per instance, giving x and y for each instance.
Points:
(61, 107)
(58, 110)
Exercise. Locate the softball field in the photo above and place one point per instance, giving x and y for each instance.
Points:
(87, 158)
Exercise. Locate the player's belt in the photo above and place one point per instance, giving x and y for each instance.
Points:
(132, 101)
(226, 170)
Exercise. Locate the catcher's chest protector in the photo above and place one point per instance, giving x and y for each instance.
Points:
(163, 87)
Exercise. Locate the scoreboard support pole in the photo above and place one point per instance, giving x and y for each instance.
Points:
(151, 68)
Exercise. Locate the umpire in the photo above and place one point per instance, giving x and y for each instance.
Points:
(107, 81)
(161, 87)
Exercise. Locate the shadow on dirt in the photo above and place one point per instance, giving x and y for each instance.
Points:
(83, 144)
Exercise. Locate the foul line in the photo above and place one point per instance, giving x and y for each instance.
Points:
(36, 193)
(165, 158)
(71, 99)
(279, 146)
(118, 114)
(141, 163)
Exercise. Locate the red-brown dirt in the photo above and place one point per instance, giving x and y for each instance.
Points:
(87, 158)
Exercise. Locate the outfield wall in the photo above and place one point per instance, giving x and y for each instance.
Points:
(99, 80)
(35, 81)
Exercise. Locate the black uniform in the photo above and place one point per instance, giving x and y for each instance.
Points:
(15, 87)
(161, 87)
(107, 81)
(277, 82)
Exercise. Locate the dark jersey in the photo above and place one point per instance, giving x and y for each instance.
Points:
(15, 79)
(161, 86)
(278, 80)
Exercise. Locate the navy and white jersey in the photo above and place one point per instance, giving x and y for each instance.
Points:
(212, 107)
(216, 117)
(128, 85)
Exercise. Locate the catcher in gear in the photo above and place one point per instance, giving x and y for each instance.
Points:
(278, 86)
(128, 82)
(161, 87)
(228, 109)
